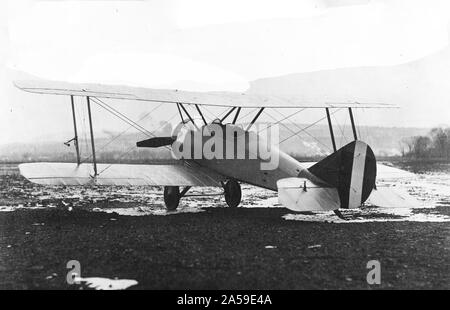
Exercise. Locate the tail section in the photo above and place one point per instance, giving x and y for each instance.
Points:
(351, 170)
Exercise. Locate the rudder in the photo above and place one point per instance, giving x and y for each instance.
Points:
(352, 170)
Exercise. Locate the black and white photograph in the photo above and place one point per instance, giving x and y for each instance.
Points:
(224, 150)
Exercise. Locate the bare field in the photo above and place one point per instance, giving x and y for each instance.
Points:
(125, 233)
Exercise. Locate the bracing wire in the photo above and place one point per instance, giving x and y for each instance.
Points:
(368, 137)
(212, 114)
(285, 118)
(341, 129)
(134, 146)
(251, 111)
(124, 131)
(309, 126)
(357, 127)
(79, 133)
(121, 116)
(85, 131)
(298, 127)
(292, 131)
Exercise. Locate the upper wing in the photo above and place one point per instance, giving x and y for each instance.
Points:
(117, 174)
(223, 99)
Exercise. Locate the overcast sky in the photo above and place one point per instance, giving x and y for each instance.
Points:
(203, 44)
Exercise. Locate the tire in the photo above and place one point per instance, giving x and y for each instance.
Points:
(233, 193)
(171, 197)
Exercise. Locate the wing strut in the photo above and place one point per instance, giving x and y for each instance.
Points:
(254, 119)
(92, 136)
(236, 116)
(75, 139)
(331, 129)
(184, 109)
(228, 113)
(179, 111)
(201, 114)
(353, 123)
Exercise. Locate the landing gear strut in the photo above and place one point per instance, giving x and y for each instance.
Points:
(233, 193)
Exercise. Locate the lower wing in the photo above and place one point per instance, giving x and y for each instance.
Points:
(173, 174)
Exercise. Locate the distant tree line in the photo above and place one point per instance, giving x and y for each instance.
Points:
(435, 145)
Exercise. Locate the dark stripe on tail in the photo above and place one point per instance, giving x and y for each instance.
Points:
(352, 170)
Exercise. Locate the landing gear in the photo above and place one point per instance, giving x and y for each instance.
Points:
(171, 197)
(232, 193)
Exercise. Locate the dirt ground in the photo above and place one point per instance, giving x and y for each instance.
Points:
(209, 246)
(219, 249)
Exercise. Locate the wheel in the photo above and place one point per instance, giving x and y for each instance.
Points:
(233, 193)
(171, 197)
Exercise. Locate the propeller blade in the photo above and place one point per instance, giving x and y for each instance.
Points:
(156, 142)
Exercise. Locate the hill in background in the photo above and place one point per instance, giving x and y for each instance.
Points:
(420, 88)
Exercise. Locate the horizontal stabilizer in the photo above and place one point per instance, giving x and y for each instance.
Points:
(392, 197)
(156, 142)
(299, 194)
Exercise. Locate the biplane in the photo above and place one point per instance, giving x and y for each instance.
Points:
(343, 180)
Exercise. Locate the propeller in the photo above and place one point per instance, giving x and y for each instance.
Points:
(156, 142)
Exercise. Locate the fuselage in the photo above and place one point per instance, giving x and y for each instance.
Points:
(239, 154)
